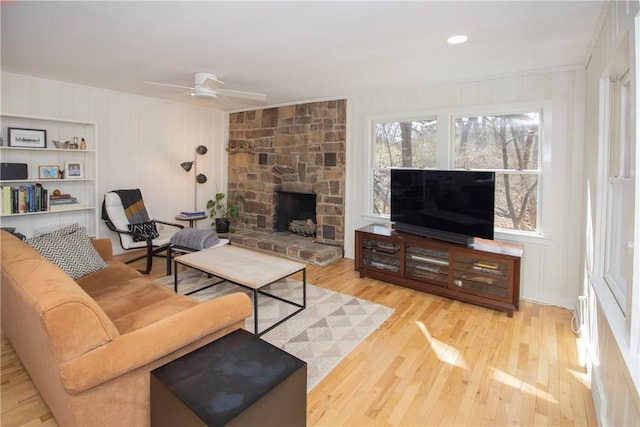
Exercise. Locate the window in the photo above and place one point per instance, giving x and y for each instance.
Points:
(408, 144)
(618, 254)
(509, 145)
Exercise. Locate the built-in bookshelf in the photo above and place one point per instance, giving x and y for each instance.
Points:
(26, 203)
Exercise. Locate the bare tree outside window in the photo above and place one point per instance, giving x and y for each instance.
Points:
(508, 144)
(408, 144)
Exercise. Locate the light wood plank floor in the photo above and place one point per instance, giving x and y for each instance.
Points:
(433, 362)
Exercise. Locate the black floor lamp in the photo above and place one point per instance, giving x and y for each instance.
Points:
(200, 178)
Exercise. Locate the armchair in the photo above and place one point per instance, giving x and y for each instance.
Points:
(124, 213)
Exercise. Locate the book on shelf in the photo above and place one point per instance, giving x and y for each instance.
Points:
(60, 197)
(64, 207)
(69, 201)
(23, 199)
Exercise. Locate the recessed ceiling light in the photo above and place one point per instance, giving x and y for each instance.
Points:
(457, 39)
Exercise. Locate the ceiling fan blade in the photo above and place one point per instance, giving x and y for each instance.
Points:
(212, 83)
(169, 85)
(242, 94)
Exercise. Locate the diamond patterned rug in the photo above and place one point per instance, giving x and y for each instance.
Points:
(327, 330)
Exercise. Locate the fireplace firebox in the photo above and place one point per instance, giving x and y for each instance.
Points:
(296, 212)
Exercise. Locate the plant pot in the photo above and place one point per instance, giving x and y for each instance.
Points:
(222, 225)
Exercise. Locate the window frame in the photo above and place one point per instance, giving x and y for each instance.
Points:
(532, 172)
(371, 123)
(623, 323)
(445, 149)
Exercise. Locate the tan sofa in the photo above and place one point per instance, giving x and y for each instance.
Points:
(89, 345)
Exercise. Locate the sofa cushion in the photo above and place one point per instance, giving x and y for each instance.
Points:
(116, 272)
(138, 302)
(70, 249)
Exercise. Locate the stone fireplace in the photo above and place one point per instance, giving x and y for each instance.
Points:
(295, 149)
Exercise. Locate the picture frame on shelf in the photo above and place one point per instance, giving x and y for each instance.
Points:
(74, 170)
(27, 138)
(48, 172)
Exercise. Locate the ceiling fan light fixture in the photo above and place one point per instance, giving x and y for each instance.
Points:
(458, 39)
(204, 92)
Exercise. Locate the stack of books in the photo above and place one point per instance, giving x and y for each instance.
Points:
(190, 215)
(62, 202)
(23, 199)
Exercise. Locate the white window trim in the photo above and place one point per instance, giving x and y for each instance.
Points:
(445, 150)
(625, 329)
(370, 122)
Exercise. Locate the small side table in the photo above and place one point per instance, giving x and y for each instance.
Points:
(237, 380)
(192, 219)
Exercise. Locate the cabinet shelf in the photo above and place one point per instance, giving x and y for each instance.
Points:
(47, 149)
(486, 274)
(57, 210)
(43, 181)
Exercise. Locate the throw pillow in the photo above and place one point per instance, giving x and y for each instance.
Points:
(147, 228)
(70, 249)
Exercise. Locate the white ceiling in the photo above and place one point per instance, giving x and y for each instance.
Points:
(291, 51)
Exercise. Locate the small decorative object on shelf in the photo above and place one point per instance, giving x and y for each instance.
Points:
(60, 144)
(74, 170)
(74, 144)
(48, 172)
(83, 144)
(27, 138)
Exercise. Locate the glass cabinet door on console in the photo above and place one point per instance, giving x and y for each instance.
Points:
(381, 254)
(481, 276)
(427, 264)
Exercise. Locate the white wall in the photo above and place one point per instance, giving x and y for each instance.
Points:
(141, 141)
(615, 364)
(550, 264)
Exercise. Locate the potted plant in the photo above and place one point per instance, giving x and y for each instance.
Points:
(224, 211)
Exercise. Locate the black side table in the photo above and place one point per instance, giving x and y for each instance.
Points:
(237, 380)
(192, 219)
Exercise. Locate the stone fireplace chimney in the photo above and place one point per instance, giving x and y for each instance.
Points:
(293, 149)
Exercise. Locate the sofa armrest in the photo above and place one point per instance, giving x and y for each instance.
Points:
(143, 346)
(104, 248)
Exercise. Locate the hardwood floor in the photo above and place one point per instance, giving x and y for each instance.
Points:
(433, 362)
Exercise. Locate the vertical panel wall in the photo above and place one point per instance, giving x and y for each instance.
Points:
(141, 141)
(551, 263)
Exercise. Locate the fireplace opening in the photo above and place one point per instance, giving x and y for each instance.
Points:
(296, 212)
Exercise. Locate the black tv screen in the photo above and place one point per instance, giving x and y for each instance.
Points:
(440, 203)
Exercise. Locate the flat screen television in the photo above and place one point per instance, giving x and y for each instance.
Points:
(448, 205)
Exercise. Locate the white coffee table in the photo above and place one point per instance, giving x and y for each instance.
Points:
(249, 269)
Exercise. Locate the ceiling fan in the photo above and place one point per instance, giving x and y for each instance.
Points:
(207, 85)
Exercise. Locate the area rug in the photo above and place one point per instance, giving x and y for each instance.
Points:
(327, 330)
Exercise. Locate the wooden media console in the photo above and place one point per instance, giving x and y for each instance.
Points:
(486, 273)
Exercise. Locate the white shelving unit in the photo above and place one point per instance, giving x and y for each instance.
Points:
(85, 189)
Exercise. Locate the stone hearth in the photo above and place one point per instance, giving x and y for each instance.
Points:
(288, 245)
